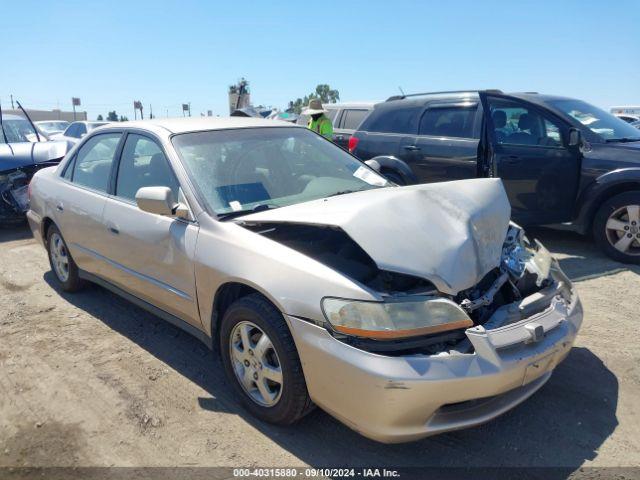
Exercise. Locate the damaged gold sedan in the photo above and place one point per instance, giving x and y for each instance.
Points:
(402, 311)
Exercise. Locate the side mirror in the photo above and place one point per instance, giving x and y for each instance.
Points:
(575, 137)
(158, 200)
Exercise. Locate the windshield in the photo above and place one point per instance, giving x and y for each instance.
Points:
(52, 127)
(245, 169)
(608, 126)
(17, 130)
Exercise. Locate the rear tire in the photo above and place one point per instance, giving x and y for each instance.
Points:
(63, 267)
(616, 227)
(268, 381)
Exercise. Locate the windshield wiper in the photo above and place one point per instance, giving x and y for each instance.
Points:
(239, 213)
(345, 192)
(623, 139)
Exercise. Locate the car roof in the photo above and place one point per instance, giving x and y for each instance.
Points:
(533, 97)
(331, 106)
(195, 124)
(10, 116)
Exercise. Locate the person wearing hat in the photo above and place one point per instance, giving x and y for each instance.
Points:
(319, 122)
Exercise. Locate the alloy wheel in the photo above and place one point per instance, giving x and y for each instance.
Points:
(623, 229)
(59, 257)
(256, 363)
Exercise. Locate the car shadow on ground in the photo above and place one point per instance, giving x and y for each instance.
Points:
(563, 424)
(12, 233)
(578, 255)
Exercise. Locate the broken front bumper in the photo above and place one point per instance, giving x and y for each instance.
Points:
(398, 399)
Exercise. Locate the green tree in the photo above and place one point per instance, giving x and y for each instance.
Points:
(112, 116)
(123, 118)
(323, 91)
(100, 118)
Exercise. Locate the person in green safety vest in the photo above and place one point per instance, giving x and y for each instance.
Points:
(319, 122)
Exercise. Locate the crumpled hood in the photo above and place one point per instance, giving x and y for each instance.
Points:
(450, 233)
(21, 154)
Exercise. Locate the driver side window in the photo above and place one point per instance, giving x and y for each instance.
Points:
(516, 124)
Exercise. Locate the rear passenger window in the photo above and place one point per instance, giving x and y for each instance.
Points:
(351, 119)
(448, 122)
(93, 162)
(143, 164)
(396, 120)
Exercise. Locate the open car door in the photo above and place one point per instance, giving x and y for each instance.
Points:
(528, 148)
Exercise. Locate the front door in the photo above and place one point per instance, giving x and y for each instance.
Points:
(151, 256)
(529, 152)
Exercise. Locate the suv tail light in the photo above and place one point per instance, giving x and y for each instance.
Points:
(353, 143)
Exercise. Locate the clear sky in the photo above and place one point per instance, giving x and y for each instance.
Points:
(164, 53)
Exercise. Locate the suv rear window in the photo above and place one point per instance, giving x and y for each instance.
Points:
(351, 119)
(448, 121)
(402, 119)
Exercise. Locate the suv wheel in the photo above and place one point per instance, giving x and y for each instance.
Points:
(616, 227)
(62, 264)
(261, 361)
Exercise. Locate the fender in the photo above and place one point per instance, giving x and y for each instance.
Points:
(607, 184)
(392, 163)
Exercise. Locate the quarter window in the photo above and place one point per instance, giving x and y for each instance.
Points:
(396, 120)
(143, 164)
(93, 162)
(448, 121)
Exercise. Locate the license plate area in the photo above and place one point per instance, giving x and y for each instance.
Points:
(539, 367)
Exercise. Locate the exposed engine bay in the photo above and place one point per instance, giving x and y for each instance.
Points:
(14, 201)
(520, 274)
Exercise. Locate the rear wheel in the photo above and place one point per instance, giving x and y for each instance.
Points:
(62, 264)
(616, 227)
(261, 361)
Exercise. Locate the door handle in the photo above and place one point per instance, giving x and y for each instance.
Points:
(411, 148)
(60, 207)
(511, 159)
(114, 230)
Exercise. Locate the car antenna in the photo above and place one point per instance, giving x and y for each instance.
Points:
(401, 91)
(29, 118)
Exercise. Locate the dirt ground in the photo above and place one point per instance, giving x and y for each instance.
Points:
(91, 380)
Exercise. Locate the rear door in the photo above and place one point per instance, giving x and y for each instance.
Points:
(390, 130)
(447, 144)
(151, 256)
(349, 121)
(79, 201)
(528, 151)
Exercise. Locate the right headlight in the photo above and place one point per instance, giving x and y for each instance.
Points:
(394, 319)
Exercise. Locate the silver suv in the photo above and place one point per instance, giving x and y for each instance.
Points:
(401, 311)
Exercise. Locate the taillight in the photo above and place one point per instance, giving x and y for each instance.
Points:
(353, 143)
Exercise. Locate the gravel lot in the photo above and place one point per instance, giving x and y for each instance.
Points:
(91, 380)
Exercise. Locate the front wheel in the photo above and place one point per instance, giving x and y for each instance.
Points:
(261, 361)
(616, 227)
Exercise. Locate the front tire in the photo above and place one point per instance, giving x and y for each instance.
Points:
(261, 361)
(62, 265)
(616, 227)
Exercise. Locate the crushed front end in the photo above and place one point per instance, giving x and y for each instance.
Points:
(524, 318)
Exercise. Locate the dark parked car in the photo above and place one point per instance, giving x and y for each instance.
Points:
(561, 160)
(23, 150)
(346, 118)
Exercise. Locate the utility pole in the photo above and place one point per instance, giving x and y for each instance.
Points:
(189, 108)
(12, 107)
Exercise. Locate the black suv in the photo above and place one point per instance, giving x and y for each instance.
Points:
(561, 160)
